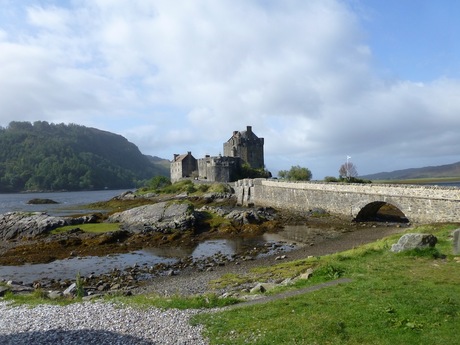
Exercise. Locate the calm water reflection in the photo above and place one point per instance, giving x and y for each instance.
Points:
(68, 268)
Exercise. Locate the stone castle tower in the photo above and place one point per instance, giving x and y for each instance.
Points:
(247, 146)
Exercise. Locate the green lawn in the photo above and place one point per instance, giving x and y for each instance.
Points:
(408, 298)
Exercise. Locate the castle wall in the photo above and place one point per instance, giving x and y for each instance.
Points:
(219, 169)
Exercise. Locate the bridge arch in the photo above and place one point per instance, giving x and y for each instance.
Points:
(381, 211)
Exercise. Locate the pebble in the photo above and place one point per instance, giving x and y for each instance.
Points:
(100, 323)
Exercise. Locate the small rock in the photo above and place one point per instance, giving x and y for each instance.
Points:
(286, 281)
(54, 294)
(103, 287)
(307, 274)
(171, 273)
(70, 290)
(259, 288)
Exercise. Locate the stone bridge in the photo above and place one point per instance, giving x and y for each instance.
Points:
(419, 204)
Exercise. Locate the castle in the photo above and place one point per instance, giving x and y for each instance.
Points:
(242, 148)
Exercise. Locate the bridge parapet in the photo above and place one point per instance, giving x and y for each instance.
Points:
(400, 190)
(418, 203)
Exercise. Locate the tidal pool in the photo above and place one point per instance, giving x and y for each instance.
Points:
(96, 265)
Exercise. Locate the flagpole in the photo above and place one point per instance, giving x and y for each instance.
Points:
(348, 175)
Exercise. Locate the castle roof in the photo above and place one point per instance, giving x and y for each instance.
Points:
(179, 158)
(247, 134)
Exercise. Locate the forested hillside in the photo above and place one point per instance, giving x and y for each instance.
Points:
(44, 156)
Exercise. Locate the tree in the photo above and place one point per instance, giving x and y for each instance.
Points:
(296, 173)
(159, 182)
(247, 172)
(348, 170)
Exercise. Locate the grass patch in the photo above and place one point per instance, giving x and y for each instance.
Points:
(404, 298)
(117, 205)
(214, 220)
(189, 187)
(96, 228)
(36, 298)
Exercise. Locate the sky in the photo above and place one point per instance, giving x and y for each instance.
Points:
(319, 80)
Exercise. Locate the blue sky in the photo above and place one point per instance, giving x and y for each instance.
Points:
(319, 79)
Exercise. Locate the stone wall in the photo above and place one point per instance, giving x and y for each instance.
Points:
(219, 169)
(418, 203)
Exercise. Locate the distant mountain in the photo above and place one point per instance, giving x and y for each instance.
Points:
(441, 171)
(44, 156)
(162, 165)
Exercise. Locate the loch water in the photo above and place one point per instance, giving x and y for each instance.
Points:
(67, 202)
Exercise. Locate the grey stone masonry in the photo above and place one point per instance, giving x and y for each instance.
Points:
(420, 204)
(456, 241)
(246, 145)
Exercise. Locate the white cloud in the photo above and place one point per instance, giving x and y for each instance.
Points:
(180, 76)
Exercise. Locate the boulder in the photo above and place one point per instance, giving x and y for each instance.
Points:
(18, 225)
(262, 288)
(159, 217)
(243, 217)
(413, 241)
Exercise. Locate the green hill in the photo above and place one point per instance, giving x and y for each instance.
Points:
(44, 156)
(431, 172)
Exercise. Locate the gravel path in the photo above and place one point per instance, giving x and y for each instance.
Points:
(96, 323)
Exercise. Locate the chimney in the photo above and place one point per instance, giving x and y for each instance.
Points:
(175, 157)
(249, 129)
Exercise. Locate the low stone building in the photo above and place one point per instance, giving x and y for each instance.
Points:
(183, 166)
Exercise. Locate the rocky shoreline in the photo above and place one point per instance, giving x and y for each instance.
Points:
(188, 278)
(28, 238)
